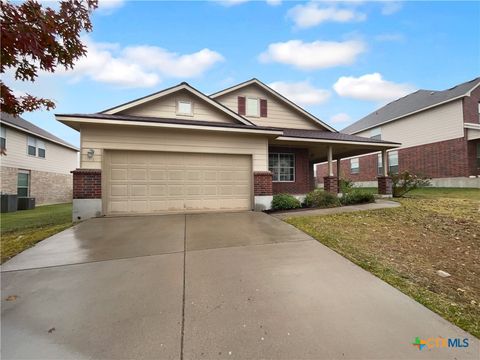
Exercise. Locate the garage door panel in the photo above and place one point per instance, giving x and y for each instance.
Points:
(161, 182)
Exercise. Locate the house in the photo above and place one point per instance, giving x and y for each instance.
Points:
(179, 150)
(439, 132)
(35, 163)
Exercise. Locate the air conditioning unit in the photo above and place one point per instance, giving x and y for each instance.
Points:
(26, 203)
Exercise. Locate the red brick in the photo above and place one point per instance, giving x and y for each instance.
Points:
(87, 184)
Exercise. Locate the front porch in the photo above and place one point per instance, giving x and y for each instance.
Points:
(293, 155)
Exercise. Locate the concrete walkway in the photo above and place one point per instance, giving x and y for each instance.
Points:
(378, 204)
(208, 286)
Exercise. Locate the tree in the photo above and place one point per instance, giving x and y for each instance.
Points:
(36, 38)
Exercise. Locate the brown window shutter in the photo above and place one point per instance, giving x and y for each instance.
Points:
(263, 107)
(241, 105)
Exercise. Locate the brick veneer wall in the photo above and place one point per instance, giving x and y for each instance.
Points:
(8, 180)
(87, 184)
(262, 183)
(470, 107)
(472, 157)
(442, 159)
(50, 188)
(303, 172)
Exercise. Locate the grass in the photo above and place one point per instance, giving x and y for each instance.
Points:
(23, 229)
(434, 229)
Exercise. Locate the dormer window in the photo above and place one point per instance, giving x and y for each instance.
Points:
(253, 107)
(184, 107)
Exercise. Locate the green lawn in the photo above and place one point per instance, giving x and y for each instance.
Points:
(434, 229)
(23, 229)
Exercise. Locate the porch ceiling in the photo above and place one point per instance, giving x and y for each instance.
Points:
(318, 149)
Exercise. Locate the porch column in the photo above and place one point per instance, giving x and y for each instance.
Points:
(385, 181)
(330, 182)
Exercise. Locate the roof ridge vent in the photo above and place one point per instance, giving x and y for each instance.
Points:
(432, 92)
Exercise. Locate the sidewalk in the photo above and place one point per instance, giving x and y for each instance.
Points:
(378, 204)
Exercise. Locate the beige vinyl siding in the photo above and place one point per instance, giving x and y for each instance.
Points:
(278, 113)
(166, 107)
(99, 137)
(444, 122)
(59, 159)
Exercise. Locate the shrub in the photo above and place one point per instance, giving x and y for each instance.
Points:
(321, 199)
(357, 197)
(285, 202)
(405, 182)
(346, 186)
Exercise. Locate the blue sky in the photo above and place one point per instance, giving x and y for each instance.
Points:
(340, 60)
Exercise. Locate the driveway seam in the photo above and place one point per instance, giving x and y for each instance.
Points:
(183, 296)
(89, 262)
(247, 245)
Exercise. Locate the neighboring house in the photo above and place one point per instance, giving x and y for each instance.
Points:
(35, 163)
(439, 132)
(179, 150)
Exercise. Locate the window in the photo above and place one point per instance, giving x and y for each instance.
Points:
(393, 162)
(23, 182)
(478, 155)
(354, 166)
(253, 107)
(3, 137)
(380, 165)
(184, 108)
(32, 146)
(282, 166)
(41, 148)
(376, 134)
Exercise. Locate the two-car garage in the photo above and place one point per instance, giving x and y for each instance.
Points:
(142, 182)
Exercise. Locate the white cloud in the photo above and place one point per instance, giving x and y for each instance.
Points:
(229, 3)
(340, 118)
(314, 55)
(390, 37)
(391, 7)
(312, 14)
(138, 66)
(173, 64)
(108, 6)
(371, 87)
(302, 93)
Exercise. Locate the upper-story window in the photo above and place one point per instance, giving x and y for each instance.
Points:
(3, 138)
(184, 107)
(36, 147)
(376, 133)
(252, 106)
(479, 112)
(354, 166)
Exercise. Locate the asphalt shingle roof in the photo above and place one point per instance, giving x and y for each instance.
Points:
(29, 127)
(413, 102)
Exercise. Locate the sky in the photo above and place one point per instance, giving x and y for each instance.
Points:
(340, 60)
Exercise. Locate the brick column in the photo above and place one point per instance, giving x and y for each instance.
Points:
(330, 184)
(262, 183)
(385, 185)
(87, 183)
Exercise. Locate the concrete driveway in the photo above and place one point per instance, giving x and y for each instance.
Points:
(231, 286)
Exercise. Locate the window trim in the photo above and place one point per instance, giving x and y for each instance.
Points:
(37, 147)
(358, 167)
(3, 136)
(294, 166)
(246, 106)
(177, 107)
(34, 146)
(27, 172)
(390, 162)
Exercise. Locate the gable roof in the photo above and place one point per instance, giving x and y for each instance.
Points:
(415, 102)
(23, 125)
(276, 95)
(171, 90)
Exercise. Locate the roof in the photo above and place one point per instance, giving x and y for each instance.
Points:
(276, 95)
(290, 133)
(415, 102)
(327, 135)
(170, 90)
(26, 126)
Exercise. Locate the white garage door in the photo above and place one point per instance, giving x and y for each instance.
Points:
(162, 182)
